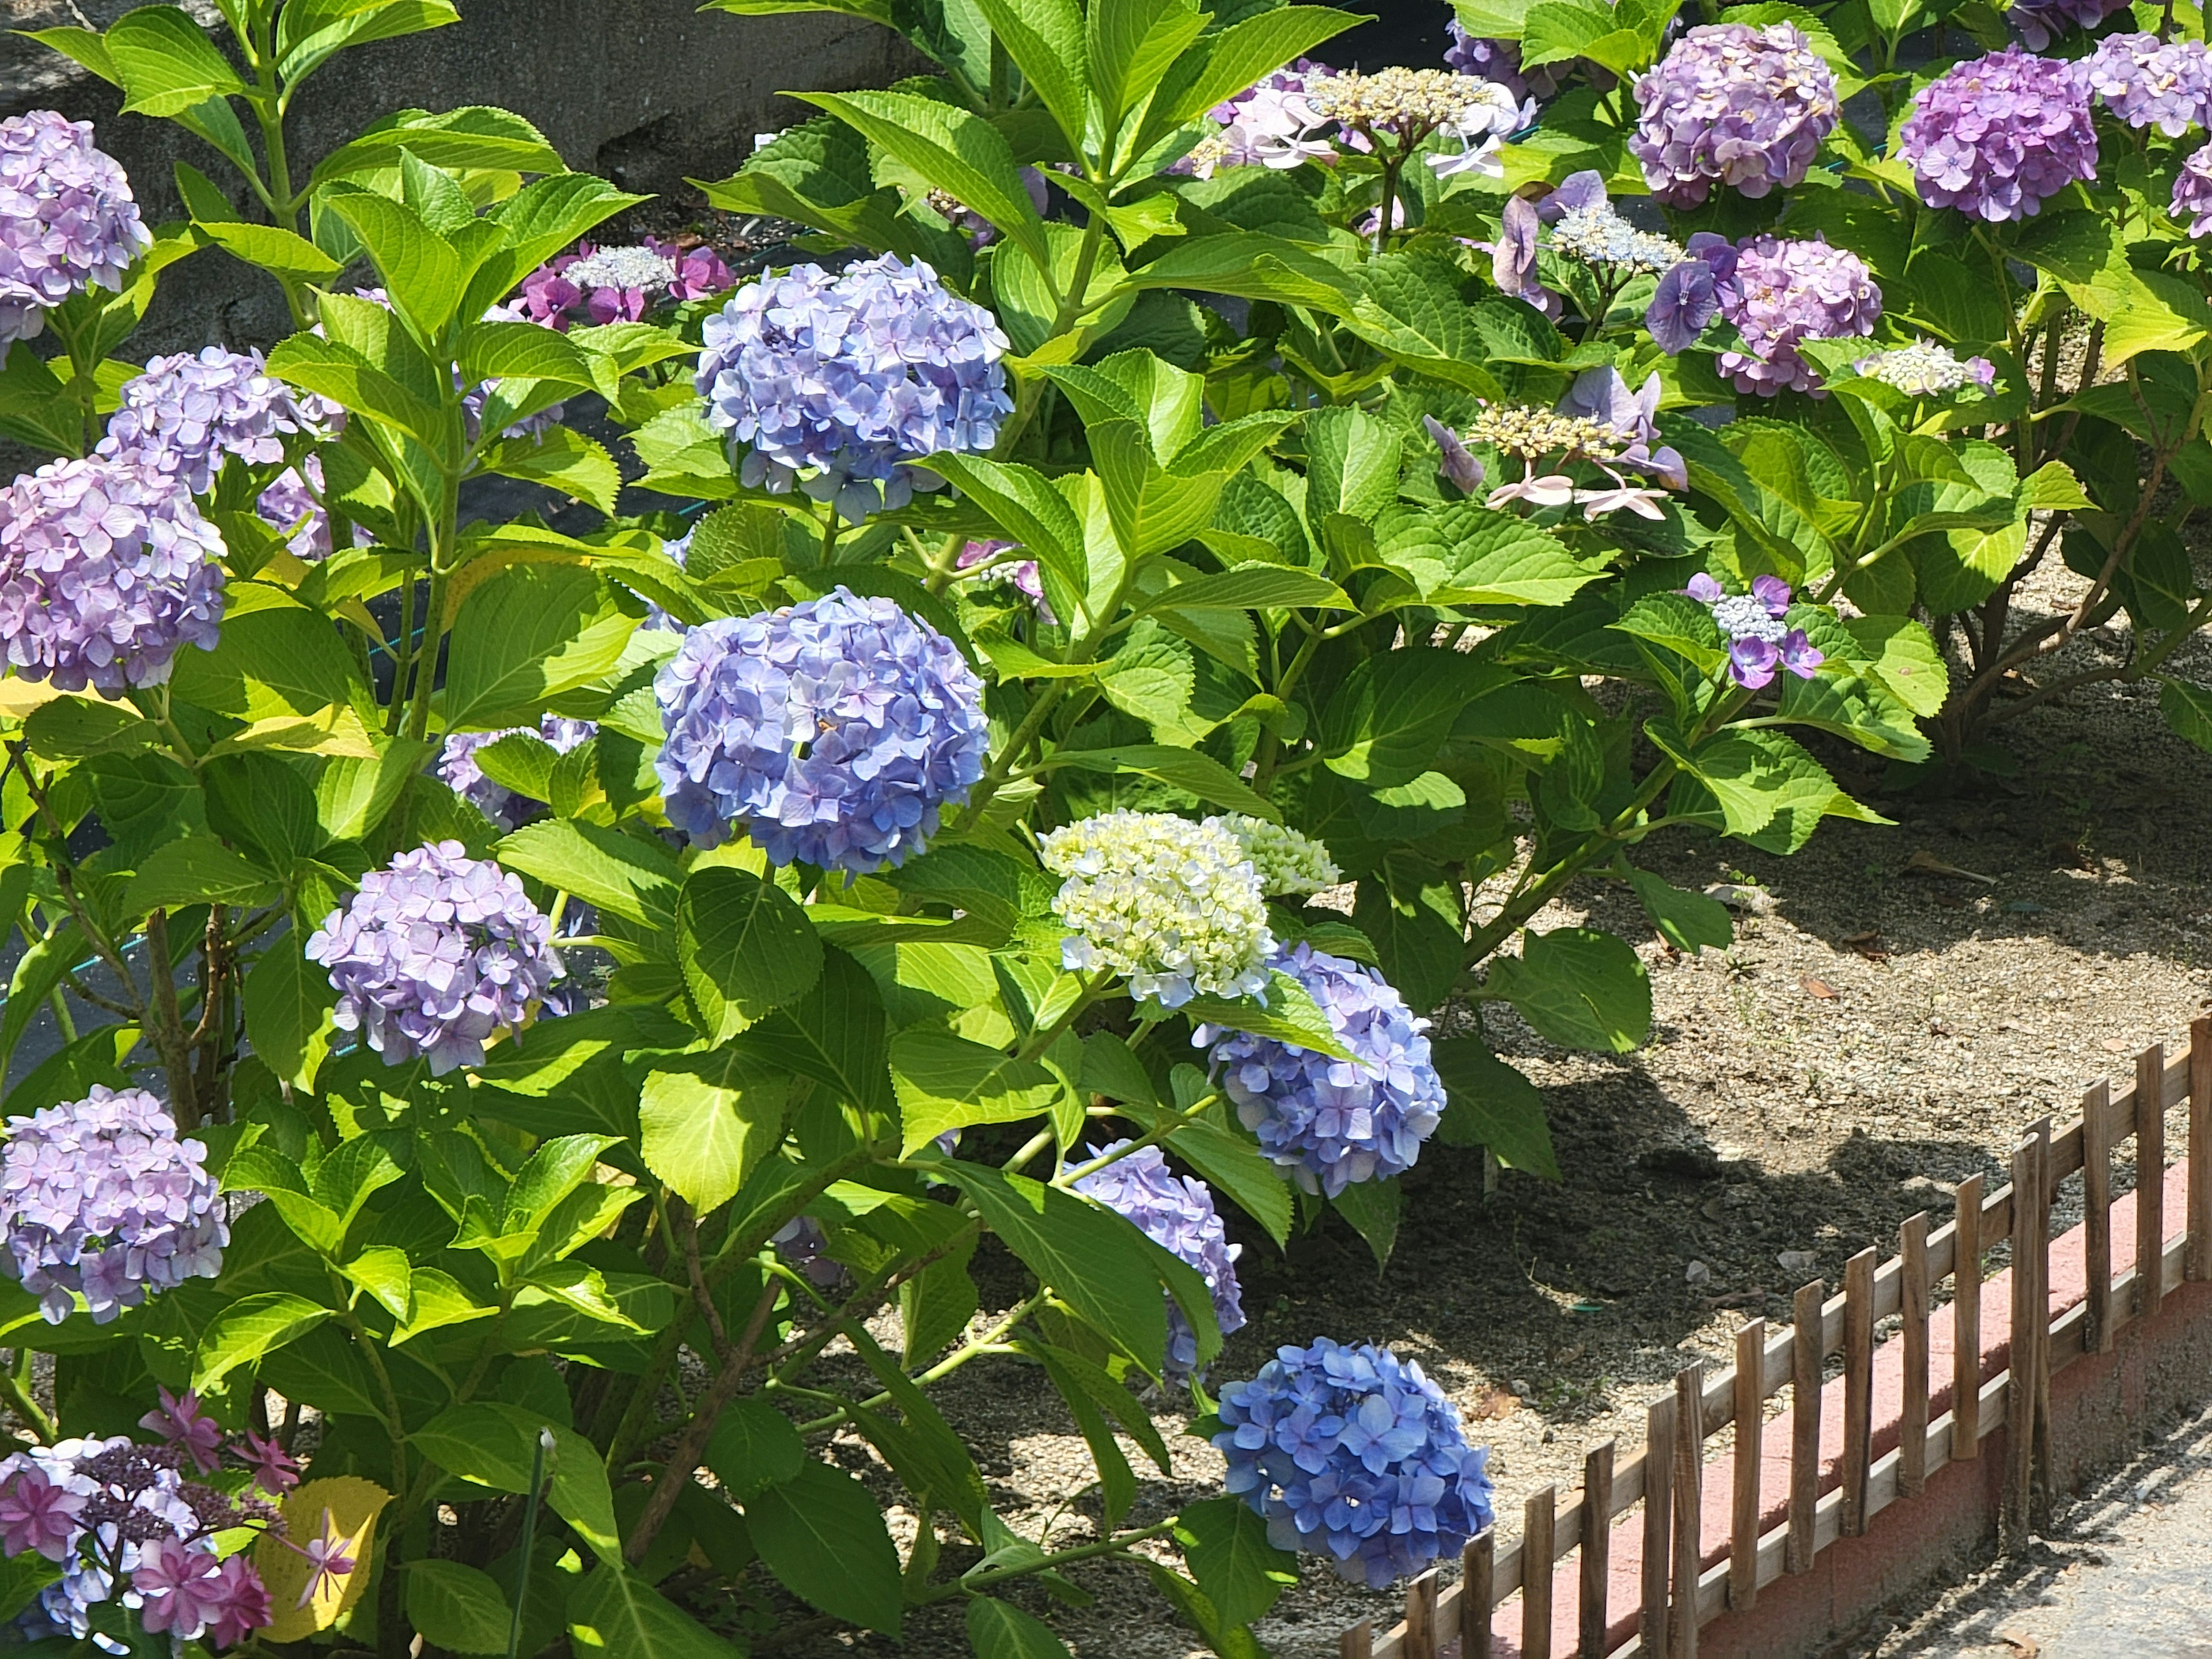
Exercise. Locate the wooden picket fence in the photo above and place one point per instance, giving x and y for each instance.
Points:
(1677, 1592)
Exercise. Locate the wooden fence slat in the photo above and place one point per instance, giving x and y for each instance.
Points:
(1689, 1507)
(1805, 1380)
(2197, 1263)
(1967, 1321)
(2097, 1209)
(1596, 1549)
(1358, 1642)
(1750, 1420)
(1912, 1418)
(1475, 1562)
(2040, 1491)
(1537, 1553)
(2026, 1314)
(1658, 1525)
(1420, 1638)
(2150, 1180)
(1858, 1387)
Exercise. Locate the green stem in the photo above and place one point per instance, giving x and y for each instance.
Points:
(529, 1542)
(983, 1580)
(15, 1386)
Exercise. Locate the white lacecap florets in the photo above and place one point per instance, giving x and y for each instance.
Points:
(1176, 1213)
(1744, 616)
(1926, 370)
(1596, 234)
(622, 267)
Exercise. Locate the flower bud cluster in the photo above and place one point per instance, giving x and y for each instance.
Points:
(1287, 860)
(1924, 369)
(1597, 236)
(1732, 104)
(1527, 433)
(1175, 1212)
(67, 222)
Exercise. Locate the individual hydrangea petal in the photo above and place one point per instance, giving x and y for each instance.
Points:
(1997, 136)
(1925, 369)
(1780, 290)
(456, 765)
(1354, 1456)
(2147, 82)
(1287, 860)
(67, 222)
(106, 571)
(103, 1199)
(833, 733)
(1332, 1122)
(434, 955)
(852, 380)
(1735, 104)
(185, 415)
(1175, 906)
(1176, 1213)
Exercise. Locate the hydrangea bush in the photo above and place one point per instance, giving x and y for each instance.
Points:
(547, 1012)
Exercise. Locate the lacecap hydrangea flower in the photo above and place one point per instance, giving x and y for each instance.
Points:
(1760, 641)
(1924, 369)
(1266, 124)
(1354, 1456)
(1997, 136)
(2192, 191)
(186, 415)
(1175, 906)
(834, 732)
(1175, 1212)
(1332, 1122)
(2042, 21)
(1734, 105)
(1409, 104)
(106, 572)
(434, 955)
(1022, 573)
(456, 765)
(1778, 290)
(2147, 82)
(104, 1200)
(844, 383)
(67, 222)
(1287, 860)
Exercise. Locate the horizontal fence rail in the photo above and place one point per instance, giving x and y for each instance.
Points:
(1683, 1581)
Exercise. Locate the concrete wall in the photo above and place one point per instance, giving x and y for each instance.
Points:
(643, 91)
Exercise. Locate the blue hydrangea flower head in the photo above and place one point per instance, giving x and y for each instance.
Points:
(1997, 136)
(185, 415)
(1175, 906)
(853, 379)
(834, 732)
(1354, 1456)
(456, 765)
(1176, 1213)
(434, 955)
(103, 1199)
(1331, 1122)
(67, 222)
(1735, 104)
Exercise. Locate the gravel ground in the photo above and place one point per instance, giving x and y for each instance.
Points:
(1879, 1032)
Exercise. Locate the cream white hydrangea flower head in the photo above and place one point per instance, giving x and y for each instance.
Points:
(1288, 861)
(1177, 906)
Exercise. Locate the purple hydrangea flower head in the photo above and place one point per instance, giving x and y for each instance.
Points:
(1022, 573)
(1997, 136)
(853, 379)
(2192, 191)
(834, 731)
(1760, 641)
(1500, 61)
(1331, 1122)
(595, 285)
(1743, 107)
(434, 955)
(293, 504)
(1353, 1455)
(67, 222)
(2042, 21)
(1266, 124)
(179, 1588)
(185, 415)
(2150, 83)
(1177, 1213)
(1779, 290)
(456, 765)
(101, 1198)
(239, 1605)
(105, 572)
(700, 273)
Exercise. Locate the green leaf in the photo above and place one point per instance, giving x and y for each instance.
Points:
(1254, 266)
(492, 1444)
(1493, 1104)
(1187, 769)
(615, 1613)
(196, 870)
(307, 41)
(753, 1447)
(1254, 587)
(1413, 312)
(525, 635)
(999, 1630)
(289, 257)
(1373, 1208)
(1394, 711)
(457, 1606)
(624, 875)
(1578, 988)
(1129, 46)
(1226, 1545)
(248, 1328)
(1288, 1014)
(2188, 710)
(1904, 657)
(562, 459)
(1045, 39)
(474, 136)
(957, 151)
(746, 947)
(276, 658)
(1023, 502)
(944, 1082)
(1689, 922)
(289, 1005)
(706, 1121)
(421, 270)
(1231, 1164)
(165, 63)
(73, 728)
(835, 1034)
(1410, 908)
(822, 1535)
(1248, 50)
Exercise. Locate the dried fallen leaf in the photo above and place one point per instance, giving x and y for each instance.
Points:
(1753, 1297)
(2025, 1646)
(1497, 1403)
(1818, 988)
(2114, 1045)
(1868, 945)
(1925, 863)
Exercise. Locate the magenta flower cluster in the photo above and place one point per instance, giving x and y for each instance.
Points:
(1735, 104)
(1760, 640)
(833, 733)
(598, 285)
(67, 222)
(102, 1200)
(185, 415)
(1778, 290)
(1354, 1456)
(1997, 136)
(1331, 1122)
(106, 571)
(435, 954)
(1175, 1212)
(456, 765)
